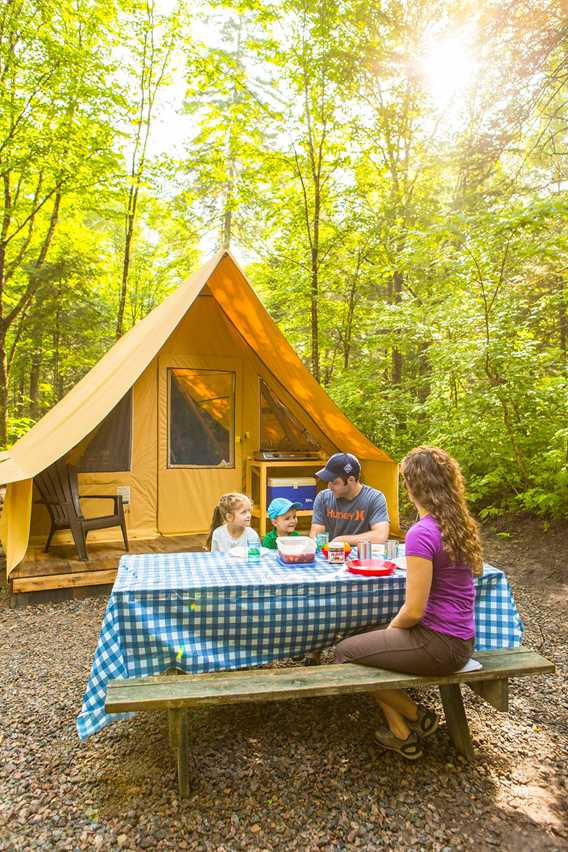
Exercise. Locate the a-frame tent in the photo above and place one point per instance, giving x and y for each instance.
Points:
(208, 363)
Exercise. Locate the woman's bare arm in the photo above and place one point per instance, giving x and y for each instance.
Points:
(418, 583)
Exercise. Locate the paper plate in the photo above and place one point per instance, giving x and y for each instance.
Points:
(371, 567)
(242, 552)
(238, 552)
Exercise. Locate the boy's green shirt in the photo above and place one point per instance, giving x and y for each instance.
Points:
(269, 539)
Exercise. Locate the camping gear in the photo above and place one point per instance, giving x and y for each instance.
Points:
(298, 489)
(295, 549)
(174, 411)
(284, 455)
(60, 494)
(194, 601)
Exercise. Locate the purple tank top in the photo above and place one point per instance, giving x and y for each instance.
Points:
(450, 607)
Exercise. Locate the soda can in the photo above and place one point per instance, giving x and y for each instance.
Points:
(322, 538)
(391, 548)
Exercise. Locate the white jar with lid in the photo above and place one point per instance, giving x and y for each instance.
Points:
(336, 553)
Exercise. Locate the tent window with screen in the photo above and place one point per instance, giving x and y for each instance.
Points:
(279, 429)
(201, 418)
(108, 448)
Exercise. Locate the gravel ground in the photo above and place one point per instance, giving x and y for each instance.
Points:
(291, 775)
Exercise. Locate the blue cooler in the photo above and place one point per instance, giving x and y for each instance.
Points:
(298, 489)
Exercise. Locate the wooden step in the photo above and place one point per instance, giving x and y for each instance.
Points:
(73, 579)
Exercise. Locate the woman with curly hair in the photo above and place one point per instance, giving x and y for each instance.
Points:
(433, 632)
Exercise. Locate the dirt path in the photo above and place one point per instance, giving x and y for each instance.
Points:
(297, 775)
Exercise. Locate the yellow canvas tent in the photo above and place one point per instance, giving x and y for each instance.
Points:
(174, 410)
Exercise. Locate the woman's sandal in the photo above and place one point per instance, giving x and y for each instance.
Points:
(425, 724)
(409, 748)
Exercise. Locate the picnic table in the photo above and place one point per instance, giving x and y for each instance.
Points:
(205, 612)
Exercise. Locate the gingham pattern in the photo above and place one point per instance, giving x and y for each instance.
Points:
(205, 612)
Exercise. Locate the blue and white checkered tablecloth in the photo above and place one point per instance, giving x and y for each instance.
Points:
(206, 612)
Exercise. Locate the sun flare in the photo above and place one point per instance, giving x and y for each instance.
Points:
(449, 66)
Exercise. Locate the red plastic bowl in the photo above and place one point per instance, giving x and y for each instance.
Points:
(371, 567)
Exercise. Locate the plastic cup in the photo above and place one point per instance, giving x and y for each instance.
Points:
(391, 548)
(253, 552)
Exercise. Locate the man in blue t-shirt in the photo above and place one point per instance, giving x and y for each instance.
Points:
(348, 510)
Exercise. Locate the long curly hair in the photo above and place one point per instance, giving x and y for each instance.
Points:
(224, 510)
(434, 479)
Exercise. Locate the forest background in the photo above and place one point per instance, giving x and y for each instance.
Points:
(391, 174)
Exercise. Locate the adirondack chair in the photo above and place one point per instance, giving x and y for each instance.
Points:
(59, 489)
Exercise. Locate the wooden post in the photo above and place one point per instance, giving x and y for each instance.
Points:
(262, 502)
(248, 476)
(180, 735)
(495, 692)
(172, 729)
(456, 720)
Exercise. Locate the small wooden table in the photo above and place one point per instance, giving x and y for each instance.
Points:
(257, 475)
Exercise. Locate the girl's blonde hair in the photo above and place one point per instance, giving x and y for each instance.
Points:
(224, 508)
(435, 481)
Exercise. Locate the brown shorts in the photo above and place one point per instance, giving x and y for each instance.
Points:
(416, 651)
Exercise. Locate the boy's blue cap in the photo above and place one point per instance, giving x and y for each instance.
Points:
(279, 506)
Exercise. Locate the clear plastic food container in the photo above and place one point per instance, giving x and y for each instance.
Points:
(296, 548)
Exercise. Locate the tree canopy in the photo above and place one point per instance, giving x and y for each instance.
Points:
(393, 176)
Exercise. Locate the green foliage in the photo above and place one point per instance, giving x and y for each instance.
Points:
(412, 251)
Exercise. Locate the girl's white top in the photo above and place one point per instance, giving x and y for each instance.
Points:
(223, 542)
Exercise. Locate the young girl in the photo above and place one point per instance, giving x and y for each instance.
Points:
(230, 525)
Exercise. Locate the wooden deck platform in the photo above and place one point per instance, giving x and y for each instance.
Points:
(59, 574)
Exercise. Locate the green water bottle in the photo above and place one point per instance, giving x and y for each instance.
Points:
(253, 551)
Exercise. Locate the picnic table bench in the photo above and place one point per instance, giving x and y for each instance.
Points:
(176, 693)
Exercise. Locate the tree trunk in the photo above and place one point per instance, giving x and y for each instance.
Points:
(35, 371)
(227, 221)
(57, 377)
(3, 390)
(152, 68)
(351, 302)
(314, 292)
(396, 354)
(562, 323)
(125, 267)
(314, 289)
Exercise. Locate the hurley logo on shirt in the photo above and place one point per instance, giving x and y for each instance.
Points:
(359, 515)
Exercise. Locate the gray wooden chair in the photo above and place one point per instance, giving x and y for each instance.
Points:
(59, 490)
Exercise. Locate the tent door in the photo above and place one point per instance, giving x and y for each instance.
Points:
(200, 446)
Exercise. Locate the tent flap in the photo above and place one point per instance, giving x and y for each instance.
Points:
(15, 522)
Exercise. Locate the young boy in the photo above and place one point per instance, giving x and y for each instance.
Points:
(282, 513)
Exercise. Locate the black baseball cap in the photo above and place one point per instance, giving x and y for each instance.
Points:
(341, 464)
